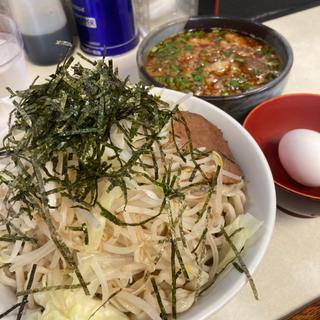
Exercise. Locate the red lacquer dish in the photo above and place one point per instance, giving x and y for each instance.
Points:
(270, 120)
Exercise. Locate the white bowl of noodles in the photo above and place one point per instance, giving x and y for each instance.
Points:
(261, 204)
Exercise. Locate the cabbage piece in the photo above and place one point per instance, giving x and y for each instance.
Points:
(242, 228)
(72, 305)
(107, 199)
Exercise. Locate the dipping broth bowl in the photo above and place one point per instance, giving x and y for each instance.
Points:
(237, 105)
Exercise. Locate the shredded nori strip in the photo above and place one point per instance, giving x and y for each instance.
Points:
(10, 226)
(163, 314)
(83, 228)
(202, 238)
(13, 238)
(212, 186)
(174, 281)
(180, 223)
(241, 263)
(175, 243)
(58, 287)
(237, 266)
(235, 232)
(25, 297)
(15, 306)
(104, 303)
(174, 138)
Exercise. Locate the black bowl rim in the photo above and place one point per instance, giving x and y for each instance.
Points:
(269, 85)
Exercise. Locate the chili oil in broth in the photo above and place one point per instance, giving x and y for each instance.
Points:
(215, 62)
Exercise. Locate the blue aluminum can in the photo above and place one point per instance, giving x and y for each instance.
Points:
(105, 24)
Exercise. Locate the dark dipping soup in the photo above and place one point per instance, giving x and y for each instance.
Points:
(215, 62)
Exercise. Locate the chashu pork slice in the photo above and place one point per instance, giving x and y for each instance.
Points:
(204, 134)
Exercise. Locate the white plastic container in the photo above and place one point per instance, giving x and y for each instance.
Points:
(42, 23)
(13, 73)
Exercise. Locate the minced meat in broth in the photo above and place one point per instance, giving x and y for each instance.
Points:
(218, 62)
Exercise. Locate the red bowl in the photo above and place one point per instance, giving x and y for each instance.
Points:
(270, 120)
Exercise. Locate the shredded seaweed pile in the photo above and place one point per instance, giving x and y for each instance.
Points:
(72, 114)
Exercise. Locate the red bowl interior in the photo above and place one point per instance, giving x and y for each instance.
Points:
(268, 122)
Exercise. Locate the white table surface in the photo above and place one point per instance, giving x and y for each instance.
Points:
(289, 275)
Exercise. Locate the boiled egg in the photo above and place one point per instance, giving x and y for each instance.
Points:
(299, 153)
